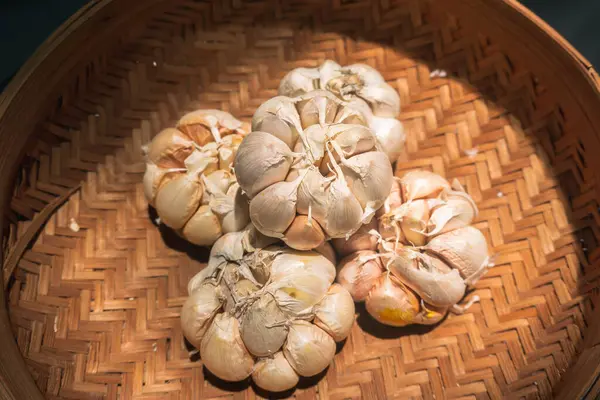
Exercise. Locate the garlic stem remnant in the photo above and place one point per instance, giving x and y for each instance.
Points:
(368, 97)
(189, 178)
(420, 255)
(263, 309)
(309, 177)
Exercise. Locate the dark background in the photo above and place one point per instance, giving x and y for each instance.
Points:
(25, 24)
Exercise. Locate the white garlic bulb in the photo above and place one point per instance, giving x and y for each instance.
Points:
(188, 177)
(302, 164)
(427, 254)
(272, 312)
(369, 98)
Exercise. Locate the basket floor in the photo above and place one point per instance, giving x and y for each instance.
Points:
(96, 311)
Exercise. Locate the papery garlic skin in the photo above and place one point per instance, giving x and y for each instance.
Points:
(223, 351)
(335, 313)
(427, 253)
(198, 312)
(265, 309)
(365, 91)
(188, 177)
(275, 374)
(308, 348)
(310, 179)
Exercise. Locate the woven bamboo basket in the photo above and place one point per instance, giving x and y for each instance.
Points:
(491, 96)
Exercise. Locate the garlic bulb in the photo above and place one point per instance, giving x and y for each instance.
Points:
(426, 252)
(308, 349)
(369, 99)
(308, 178)
(272, 311)
(188, 177)
(275, 374)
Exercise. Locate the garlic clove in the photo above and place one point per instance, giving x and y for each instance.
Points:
(198, 280)
(284, 108)
(370, 177)
(413, 222)
(239, 216)
(390, 136)
(392, 303)
(351, 139)
(327, 71)
(299, 81)
(422, 274)
(383, 99)
(221, 179)
(228, 247)
(361, 240)
(273, 209)
(262, 328)
(203, 228)
(358, 273)
(464, 249)
(457, 211)
(290, 261)
(327, 251)
(343, 215)
(261, 161)
(335, 313)
(179, 199)
(205, 126)
(223, 351)
(298, 293)
(155, 177)
(304, 234)
(317, 107)
(169, 148)
(312, 194)
(278, 128)
(228, 150)
(355, 111)
(198, 312)
(308, 348)
(420, 184)
(275, 374)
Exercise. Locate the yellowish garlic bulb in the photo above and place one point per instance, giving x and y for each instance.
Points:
(427, 253)
(310, 179)
(189, 179)
(272, 312)
(369, 99)
(275, 374)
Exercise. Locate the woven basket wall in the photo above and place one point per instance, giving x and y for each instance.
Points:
(490, 95)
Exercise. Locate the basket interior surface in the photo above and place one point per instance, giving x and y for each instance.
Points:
(94, 301)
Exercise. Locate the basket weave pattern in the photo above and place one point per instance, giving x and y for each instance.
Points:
(95, 310)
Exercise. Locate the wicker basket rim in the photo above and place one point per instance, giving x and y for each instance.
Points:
(21, 92)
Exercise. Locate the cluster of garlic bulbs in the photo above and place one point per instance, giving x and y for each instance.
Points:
(264, 310)
(312, 169)
(363, 88)
(416, 260)
(189, 178)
